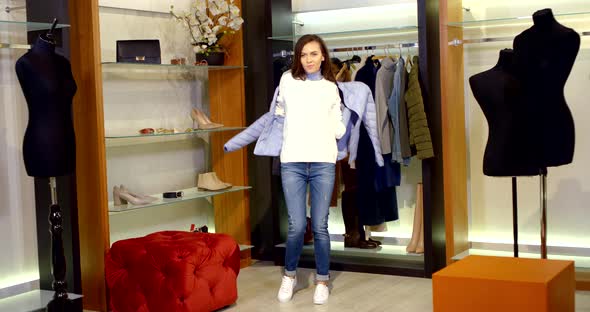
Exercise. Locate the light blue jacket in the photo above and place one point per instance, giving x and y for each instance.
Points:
(358, 106)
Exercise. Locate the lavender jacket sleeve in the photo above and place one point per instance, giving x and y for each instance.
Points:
(359, 104)
(249, 135)
(370, 122)
(268, 130)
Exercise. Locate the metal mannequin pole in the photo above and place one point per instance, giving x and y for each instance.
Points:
(543, 184)
(515, 216)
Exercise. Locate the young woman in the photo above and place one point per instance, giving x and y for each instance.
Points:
(309, 101)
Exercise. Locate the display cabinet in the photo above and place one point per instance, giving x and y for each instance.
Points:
(159, 97)
(113, 100)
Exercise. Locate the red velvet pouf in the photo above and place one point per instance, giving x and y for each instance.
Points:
(173, 271)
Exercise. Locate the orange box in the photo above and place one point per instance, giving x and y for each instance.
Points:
(482, 283)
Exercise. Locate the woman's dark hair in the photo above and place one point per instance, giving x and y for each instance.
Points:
(297, 69)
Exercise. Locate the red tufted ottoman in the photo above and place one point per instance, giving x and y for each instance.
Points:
(173, 271)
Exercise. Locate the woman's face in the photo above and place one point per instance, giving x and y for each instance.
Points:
(311, 57)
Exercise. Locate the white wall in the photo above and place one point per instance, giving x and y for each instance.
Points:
(124, 24)
(152, 98)
(18, 261)
(568, 186)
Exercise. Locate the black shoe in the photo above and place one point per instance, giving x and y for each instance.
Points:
(378, 243)
(203, 229)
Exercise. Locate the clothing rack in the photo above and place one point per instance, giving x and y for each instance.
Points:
(457, 42)
(283, 53)
(375, 47)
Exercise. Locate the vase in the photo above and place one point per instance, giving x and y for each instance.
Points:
(213, 58)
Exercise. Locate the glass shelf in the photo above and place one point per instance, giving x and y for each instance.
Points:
(162, 67)
(132, 139)
(13, 27)
(245, 247)
(511, 21)
(189, 194)
(159, 13)
(143, 136)
(365, 33)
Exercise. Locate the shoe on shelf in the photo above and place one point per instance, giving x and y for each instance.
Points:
(151, 199)
(287, 287)
(354, 240)
(117, 197)
(203, 122)
(203, 229)
(210, 182)
(321, 294)
(370, 240)
(122, 196)
(218, 180)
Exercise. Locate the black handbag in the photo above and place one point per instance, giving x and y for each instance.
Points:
(139, 51)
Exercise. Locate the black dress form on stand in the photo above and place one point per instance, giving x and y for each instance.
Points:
(531, 126)
(49, 148)
(544, 56)
(499, 94)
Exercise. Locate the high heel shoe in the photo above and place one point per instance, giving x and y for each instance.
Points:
(117, 197)
(203, 115)
(122, 196)
(203, 122)
(149, 199)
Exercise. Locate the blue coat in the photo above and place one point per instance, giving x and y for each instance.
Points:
(358, 106)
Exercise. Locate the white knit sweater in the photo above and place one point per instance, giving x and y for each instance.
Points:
(313, 119)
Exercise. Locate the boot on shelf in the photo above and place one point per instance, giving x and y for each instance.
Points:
(354, 237)
(420, 193)
(416, 244)
(368, 236)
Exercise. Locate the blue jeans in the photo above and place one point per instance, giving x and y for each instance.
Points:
(295, 178)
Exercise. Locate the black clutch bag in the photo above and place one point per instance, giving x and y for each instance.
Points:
(139, 51)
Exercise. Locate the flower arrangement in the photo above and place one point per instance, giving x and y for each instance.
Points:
(208, 21)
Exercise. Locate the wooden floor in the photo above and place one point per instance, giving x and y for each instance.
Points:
(359, 292)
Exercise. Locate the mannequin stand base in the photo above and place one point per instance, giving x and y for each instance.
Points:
(64, 305)
(39, 300)
(469, 285)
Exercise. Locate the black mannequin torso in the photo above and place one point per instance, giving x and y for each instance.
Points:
(47, 82)
(499, 94)
(544, 56)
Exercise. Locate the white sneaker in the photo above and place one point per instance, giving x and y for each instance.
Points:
(286, 291)
(321, 294)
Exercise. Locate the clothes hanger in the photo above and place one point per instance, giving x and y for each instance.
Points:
(342, 70)
(380, 57)
(409, 58)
